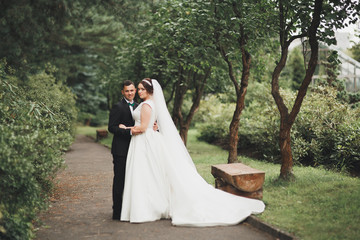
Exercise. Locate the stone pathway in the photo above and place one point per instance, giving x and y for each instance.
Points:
(81, 206)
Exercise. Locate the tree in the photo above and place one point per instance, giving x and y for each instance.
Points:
(355, 50)
(183, 65)
(77, 37)
(131, 51)
(192, 55)
(295, 22)
(87, 42)
(27, 30)
(235, 35)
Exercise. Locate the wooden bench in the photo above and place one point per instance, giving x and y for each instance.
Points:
(239, 179)
(100, 134)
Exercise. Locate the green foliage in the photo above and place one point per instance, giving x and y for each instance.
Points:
(296, 63)
(335, 15)
(332, 64)
(77, 37)
(27, 30)
(133, 51)
(325, 133)
(91, 35)
(44, 89)
(259, 125)
(355, 51)
(91, 102)
(213, 119)
(36, 125)
(99, 118)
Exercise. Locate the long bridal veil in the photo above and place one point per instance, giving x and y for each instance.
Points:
(167, 126)
(194, 202)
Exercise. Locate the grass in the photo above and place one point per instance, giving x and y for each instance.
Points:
(91, 132)
(318, 204)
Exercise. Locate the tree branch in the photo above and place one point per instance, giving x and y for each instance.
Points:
(314, 45)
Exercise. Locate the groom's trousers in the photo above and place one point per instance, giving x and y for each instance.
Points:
(118, 184)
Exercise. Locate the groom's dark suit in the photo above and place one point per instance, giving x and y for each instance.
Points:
(119, 114)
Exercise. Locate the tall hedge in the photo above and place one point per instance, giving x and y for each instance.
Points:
(36, 125)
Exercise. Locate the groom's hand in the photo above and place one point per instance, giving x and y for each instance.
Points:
(155, 126)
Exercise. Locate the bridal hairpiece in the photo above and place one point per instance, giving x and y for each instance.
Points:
(148, 82)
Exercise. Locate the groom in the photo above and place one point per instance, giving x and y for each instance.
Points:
(121, 114)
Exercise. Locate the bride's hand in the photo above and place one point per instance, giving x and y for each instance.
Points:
(135, 131)
(122, 126)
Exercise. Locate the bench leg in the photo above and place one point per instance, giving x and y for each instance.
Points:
(222, 185)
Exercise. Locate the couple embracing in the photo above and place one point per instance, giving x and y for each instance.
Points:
(154, 175)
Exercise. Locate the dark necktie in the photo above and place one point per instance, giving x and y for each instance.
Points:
(131, 104)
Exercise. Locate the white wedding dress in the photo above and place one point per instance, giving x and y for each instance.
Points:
(161, 180)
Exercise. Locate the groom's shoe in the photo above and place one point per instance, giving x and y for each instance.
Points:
(116, 216)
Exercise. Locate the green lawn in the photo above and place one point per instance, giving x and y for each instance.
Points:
(319, 204)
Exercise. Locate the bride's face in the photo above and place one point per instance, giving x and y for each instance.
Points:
(143, 94)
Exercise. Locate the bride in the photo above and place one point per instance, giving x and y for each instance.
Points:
(161, 180)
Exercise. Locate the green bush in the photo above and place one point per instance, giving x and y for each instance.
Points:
(259, 123)
(326, 131)
(329, 131)
(91, 102)
(100, 118)
(36, 122)
(213, 119)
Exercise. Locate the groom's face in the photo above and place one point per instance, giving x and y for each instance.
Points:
(129, 92)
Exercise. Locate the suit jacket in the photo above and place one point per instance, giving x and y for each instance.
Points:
(120, 114)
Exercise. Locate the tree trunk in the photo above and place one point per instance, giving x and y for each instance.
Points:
(234, 125)
(240, 94)
(286, 153)
(181, 88)
(285, 127)
(287, 119)
(186, 79)
(184, 133)
(199, 82)
(240, 90)
(240, 105)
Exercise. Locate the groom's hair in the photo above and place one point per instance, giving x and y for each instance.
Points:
(127, 83)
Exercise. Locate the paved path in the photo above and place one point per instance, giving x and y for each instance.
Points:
(81, 206)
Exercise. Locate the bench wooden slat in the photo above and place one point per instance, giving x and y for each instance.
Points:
(239, 179)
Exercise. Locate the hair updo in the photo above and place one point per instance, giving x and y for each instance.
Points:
(147, 83)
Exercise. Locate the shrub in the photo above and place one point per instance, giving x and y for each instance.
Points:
(43, 89)
(100, 118)
(326, 131)
(91, 102)
(35, 131)
(259, 123)
(213, 119)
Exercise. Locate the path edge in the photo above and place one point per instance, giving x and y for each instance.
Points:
(268, 228)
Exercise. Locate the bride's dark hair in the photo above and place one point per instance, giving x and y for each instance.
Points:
(147, 83)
